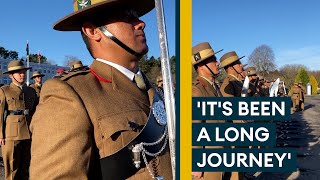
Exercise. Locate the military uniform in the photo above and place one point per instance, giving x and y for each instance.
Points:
(90, 122)
(203, 87)
(296, 97)
(36, 86)
(303, 92)
(17, 105)
(231, 86)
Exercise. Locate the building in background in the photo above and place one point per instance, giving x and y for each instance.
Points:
(48, 70)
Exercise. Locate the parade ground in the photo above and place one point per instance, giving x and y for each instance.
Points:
(302, 132)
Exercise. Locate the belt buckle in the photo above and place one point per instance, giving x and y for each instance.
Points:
(26, 112)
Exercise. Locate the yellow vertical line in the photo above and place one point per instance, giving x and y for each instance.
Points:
(185, 89)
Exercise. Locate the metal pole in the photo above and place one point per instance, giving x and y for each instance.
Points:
(28, 70)
(167, 83)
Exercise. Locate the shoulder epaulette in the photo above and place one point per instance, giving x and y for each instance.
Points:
(5, 86)
(73, 74)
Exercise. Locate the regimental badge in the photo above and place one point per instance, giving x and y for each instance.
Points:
(83, 3)
(159, 112)
(197, 56)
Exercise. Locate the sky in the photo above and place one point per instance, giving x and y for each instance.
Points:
(32, 20)
(290, 27)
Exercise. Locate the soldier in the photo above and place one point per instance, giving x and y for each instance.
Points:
(109, 118)
(232, 84)
(17, 105)
(77, 66)
(303, 92)
(207, 67)
(160, 82)
(296, 97)
(254, 80)
(37, 77)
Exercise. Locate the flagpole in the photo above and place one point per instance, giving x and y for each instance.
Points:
(28, 71)
(39, 56)
(167, 84)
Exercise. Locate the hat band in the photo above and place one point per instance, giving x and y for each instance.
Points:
(77, 65)
(202, 55)
(16, 68)
(229, 60)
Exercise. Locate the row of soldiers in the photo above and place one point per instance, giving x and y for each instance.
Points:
(207, 66)
(17, 104)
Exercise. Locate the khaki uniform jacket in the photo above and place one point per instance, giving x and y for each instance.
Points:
(296, 92)
(36, 88)
(231, 87)
(202, 88)
(12, 98)
(84, 117)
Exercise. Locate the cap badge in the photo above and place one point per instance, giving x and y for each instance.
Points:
(197, 56)
(83, 3)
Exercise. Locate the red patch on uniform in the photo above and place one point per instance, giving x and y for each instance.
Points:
(99, 77)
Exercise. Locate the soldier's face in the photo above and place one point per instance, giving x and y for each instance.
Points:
(38, 79)
(129, 29)
(238, 67)
(19, 76)
(213, 64)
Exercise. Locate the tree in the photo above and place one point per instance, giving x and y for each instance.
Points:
(289, 72)
(302, 76)
(314, 84)
(13, 55)
(263, 59)
(34, 58)
(7, 54)
(4, 53)
(68, 60)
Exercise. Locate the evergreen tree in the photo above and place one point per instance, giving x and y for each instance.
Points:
(314, 84)
(302, 76)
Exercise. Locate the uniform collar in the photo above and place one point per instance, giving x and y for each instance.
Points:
(207, 80)
(122, 69)
(234, 77)
(19, 86)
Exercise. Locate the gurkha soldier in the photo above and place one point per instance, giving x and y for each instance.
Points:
(160, 82)
(296, 97)
(207, 67)
(17, 105)
(253, 81)
(303, 92)
(232, 84)
(108, 121)
(78, 66)
(37, 77)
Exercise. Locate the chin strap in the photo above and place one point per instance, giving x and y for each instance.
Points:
(117, 41)
(237, 72)
(214, 75)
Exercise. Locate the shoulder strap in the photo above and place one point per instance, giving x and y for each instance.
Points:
(73, 74)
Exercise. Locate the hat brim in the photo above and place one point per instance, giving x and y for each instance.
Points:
(8, 72)
(230, 62)
(40, 75)
(74, 21)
